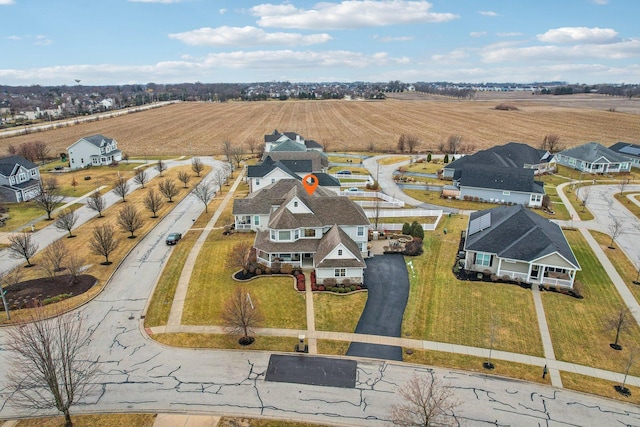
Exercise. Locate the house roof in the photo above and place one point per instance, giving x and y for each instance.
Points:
(310, 143)
(626, 149)
(500, 178)
(8, 164)
(332, 238)
(263, 243)
(515, 232)
(262, 169)
(592, 151)
(301, 166)
(98, 140)
(261, 202)
(513, 154)
(318, 160)
(289, 146)
(273, 137)
(326, 180)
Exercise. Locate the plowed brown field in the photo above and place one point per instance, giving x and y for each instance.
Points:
(201, 128)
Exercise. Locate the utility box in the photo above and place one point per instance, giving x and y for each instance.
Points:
(302, 347)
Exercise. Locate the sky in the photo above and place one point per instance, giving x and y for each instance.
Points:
(100, 42)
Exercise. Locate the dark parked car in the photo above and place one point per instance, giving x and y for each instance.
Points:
(344, 172)
(173, 238)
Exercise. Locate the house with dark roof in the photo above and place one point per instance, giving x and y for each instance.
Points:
(514, 243)
(594, 158)
(19, 179)
(513, 154)
(320, 230)
(94, 150)
(630, 151)
(271, 171)
(499, 184)
(289, 141)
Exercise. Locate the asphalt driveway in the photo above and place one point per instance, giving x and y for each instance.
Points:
(387, 279)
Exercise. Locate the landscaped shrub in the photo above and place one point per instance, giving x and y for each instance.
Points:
(334, 289)
(414, 247)
(286, 269)
(301, 287)
(346, 283)
(321, 288)
(258, 271)
(330, 282)
(429, 157)
(406, 228)
(416, 230)
(267, 270)
(275, 267)
(352, 287)
(358, 287)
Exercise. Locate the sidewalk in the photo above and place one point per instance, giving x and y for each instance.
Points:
(185, 420)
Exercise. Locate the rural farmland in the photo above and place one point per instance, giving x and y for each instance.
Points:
(201, 128)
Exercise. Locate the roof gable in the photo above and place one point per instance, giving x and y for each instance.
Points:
(9, 165)
(334, 239)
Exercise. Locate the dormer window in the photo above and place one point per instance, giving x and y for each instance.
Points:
(339, 252)
(295, 204)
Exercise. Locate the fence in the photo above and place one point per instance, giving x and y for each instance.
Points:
(399, 213)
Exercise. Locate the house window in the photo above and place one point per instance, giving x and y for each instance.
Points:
(624, 165)
(309, 232)
(256, 220)
(273, 180)
(81, 160)
(257, 181)
(296, 234)
(12, 180)
(339, 252)
(506, 193)
(284, 235)
(360, 231)
(273, 234)
(34, 172)
(73, 160)
(22, 177)
(340, 272)
(295, 204)
(536, 198)
(483, 259)
(572, 161)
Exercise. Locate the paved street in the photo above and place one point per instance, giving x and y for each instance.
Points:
(141, 375)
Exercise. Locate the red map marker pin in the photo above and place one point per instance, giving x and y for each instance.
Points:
(310, 183)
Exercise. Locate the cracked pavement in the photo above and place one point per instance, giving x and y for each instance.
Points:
(139, 374)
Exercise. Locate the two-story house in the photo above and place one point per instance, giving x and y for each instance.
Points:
(289, 141)
(322, 230)
(94, 150)
(19, 179)
(270, 171)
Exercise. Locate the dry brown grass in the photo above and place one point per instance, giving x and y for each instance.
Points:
(203, 127)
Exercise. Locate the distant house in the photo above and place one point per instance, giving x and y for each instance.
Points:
(594, 158)
(270, 171)
(95, 150)
(630, 151)
(322, 231)
(504, 185)
(19, 179)
(291, 140)
(514, 243)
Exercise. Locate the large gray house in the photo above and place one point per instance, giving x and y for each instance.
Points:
(594, 158)
(19, 179)
(94, 150)
(515, 243)
(630, 151)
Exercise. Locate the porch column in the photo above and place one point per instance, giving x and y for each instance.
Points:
(529, 273)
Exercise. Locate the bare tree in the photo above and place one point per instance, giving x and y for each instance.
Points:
(51, 364)
(227, 150)
(412, 142)
(425, 402)
(184, 177)
(622, 388)
(623, 184)
(239, 257)
(97, 203)
(240, 316)
(74, 265)
(51, 183)
(141, 177)
(551, 143)
(494, 325)
(161, 167)
(402, 143)
(121, 188)
(153, 201)
(41, 151)
(103, 242)
(21, 245)
(53, 257)
(129, 220)
(454, 143)
(251, 145)
(619, 322)
(8, 278)
(197, 166)
(585, 192)
(168, 189)
(237, 156)
(219, 177)
(204, 193)
(615, 228)
(47, 200)
(67, 220)
(441, 147)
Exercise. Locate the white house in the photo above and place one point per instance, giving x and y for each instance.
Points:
(95, 150)
(289, 141)
(594, 158)
(19, 179)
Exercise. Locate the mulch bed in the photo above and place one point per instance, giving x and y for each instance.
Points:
(26, 293)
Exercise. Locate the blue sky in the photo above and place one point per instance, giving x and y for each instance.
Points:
(52, 42)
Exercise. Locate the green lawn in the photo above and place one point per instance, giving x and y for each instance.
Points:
(262, 343)
(424, 167)
(625, 268)
(338, 159)
(434, 198)
(356, 170)
(632, 207)
(211, 286)
(579, 327)
(442, 308)
(338, 313)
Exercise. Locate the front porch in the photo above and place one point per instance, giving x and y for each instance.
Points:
(295, 259)
(541, 274)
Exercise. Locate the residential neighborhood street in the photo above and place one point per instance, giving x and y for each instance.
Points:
(140, 375)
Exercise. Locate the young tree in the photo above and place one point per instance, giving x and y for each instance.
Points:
(615, 228)
(168, 189)
(21, 245)
(204, 193)
(74, 265)
(141, 177)
(454, 142)
(161, 167)
(184, 177)
(50, 365)
(53, 257)
(121, 188)
(237, 156)
(97, 203)
(129, 220)
(623, 184)
(402, 143)
(239, 257)
(623, 389)
(412, 142)
(493, 334)
(67, 220)
(8, 278)
(153, 201)
(103, 242)
(585, 192)
(219, 177)
(240, 316)
(197, 166)
(227, 150)
(619, 322)
(425, 402)
(251, 145)
(51, 183)
(551, 143)
(41, 151)
(47, 200)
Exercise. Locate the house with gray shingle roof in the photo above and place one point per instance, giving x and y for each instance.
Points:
(289, 141)
(630, 151)
(319, 230)
(94, 150)
(271, 171)
(594, 158)
(19, 179)
(514, 243)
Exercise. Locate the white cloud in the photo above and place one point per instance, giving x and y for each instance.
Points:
(13, 38)
(600, 2)
(478, 33)
(43, 41)
(222, 11)
(451, 57)
(388, 39)
(488, 13)
(348, 14)
(246, 36)
(511, 34)
(579, 35)
(6, 2)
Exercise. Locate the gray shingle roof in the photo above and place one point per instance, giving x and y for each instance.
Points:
(500, 178)
(8, 164)
(626, 149)
(262, 169)
(592, 151)
(329, 241)
(263, 243)
(513, 154)
(260, 202)
(98, 140)
(318, 160)
(289, 146)
(518, 233)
